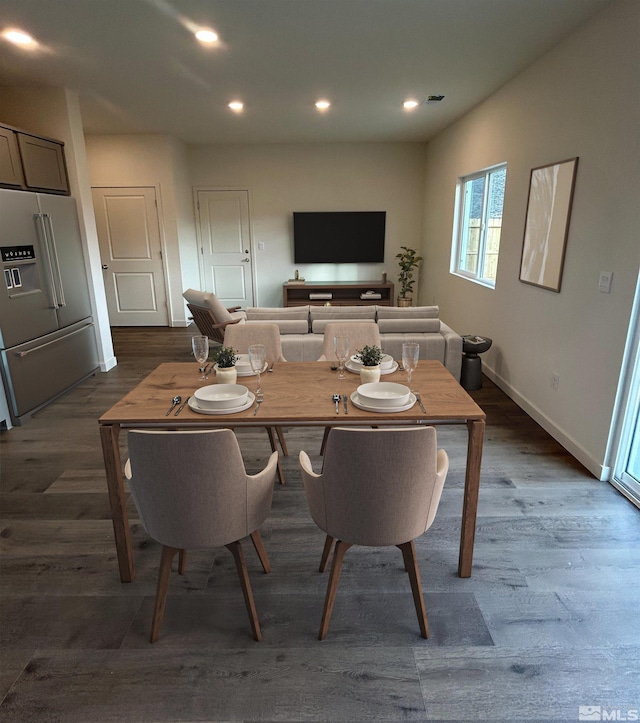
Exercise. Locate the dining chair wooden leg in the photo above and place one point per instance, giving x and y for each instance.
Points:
(164, 575)
(326, 552)
(272, 441)
(282, 440)
(182, 562)
(411, 565)
(325, 438)
(260, 549)
(236, 550)
(332, 587)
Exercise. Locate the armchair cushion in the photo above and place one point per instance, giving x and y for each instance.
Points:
(211, 302)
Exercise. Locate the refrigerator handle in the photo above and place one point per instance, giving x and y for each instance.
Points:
(52, 241)
(39, 218)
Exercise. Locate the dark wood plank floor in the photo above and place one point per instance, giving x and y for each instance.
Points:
(548, 622)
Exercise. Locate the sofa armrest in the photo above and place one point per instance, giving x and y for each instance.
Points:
(453, 350)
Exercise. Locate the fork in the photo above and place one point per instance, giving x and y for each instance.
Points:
(259, 400)
(419, 400)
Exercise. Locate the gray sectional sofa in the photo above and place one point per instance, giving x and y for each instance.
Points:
(302, 330)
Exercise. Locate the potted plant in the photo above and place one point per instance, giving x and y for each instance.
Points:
(370, 358)
(407, 261)
(226, 358)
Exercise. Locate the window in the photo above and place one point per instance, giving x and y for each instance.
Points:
(478, 223)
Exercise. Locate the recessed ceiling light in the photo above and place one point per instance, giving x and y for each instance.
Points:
(207, 36)
(323, 105)
(19, 37)
(410, 104)
(237, 106)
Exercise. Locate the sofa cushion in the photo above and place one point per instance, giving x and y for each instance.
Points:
(320, 315)
(286, 326)
(408, 312)
(211, 301)
(401, 326)
(290, 320)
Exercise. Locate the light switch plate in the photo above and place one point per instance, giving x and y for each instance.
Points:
(604, 283)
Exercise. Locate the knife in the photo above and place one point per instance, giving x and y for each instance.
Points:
(344, 401)
(181, 407)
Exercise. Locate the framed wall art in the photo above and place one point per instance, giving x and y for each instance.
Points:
(547, 223)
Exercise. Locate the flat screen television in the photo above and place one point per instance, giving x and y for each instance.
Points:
(338, 237)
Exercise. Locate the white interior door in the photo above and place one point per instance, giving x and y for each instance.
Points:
(225, 246)
(131, 253)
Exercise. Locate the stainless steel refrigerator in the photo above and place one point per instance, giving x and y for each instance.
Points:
(47, 336)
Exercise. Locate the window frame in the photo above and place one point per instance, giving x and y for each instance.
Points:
(461, 224)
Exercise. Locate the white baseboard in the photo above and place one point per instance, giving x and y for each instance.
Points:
(108, 364)
(596, 468)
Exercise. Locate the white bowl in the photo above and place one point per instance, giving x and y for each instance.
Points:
(384, 394)
(221, 396)
(386, 363)
(243, 361)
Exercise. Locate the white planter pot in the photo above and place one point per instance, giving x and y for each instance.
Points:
(229, 375)
(369, 374)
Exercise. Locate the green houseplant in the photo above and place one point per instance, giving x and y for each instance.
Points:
(370, 358)
(226, 358)
(407, 261)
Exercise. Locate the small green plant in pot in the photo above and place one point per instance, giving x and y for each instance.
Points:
(370, 358)
(226, 358)
(408, 261)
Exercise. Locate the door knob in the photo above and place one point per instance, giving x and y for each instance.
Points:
(104, 266)
(246, 260)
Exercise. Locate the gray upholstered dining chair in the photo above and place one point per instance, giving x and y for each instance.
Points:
(378, 487)
(192, 492)
(360, 333)
(241, 337)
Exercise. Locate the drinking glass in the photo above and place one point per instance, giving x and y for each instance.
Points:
(341, 345)
(410, 353)
(257, 357)
(200, 346)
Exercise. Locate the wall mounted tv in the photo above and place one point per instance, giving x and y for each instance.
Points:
(338, 237)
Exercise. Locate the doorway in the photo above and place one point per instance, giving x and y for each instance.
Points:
(128, 228)
(226, 266)
(626, 466)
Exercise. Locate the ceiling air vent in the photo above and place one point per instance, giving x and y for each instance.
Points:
(434, 98)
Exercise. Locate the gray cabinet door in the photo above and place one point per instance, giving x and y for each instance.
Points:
(43, 164)
(10, 165)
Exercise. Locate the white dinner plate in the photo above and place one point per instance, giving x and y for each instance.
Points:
(194, 406)
(357, 402)
(387, 361)
(245, 372)
(355, 369)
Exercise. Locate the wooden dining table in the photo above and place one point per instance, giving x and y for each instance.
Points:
(295, 394)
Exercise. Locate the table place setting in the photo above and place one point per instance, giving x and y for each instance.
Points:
(221, 399)
(387, 366)
(243, 366)
(383, 397)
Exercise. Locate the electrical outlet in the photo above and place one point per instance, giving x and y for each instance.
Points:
(260, 245)
(555, 380)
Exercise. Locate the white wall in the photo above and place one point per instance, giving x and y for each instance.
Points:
(581, 99)
(55, 113)
(318, 177)
(153, 161)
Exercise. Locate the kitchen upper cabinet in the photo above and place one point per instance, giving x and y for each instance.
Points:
(10, 164)
(32, 162)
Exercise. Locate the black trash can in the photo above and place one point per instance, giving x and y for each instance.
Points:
(472, 346)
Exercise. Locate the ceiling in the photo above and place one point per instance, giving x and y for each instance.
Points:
(138, 69)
